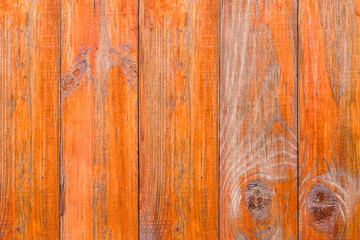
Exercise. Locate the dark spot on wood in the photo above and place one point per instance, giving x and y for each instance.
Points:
(257, 198)
(72, 78)
(322, 204)
(325, 211)
(62, 196)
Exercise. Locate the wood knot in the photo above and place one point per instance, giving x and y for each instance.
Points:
(257, 198)
(72, 78)
(322, 204)
(324, 213)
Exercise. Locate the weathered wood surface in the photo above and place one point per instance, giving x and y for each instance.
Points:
(29, 119)
(178, 120)
(248, 111)
(329, 105)
(258, 119)
(99, 119)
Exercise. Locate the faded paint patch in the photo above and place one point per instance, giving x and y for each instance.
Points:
(123, 58)
(258, 143)
(337, 20)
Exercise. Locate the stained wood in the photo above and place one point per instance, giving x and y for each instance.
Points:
(99, 119)
(29, 119)
(258, 120)
(329, 101)
(69, 119)
(178, 120)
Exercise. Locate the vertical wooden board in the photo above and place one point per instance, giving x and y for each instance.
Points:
(29, 119)
(258, 119)
(178, 119)
(99, 119)
(329, 108)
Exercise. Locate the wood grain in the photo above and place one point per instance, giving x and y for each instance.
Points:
(329, 101)
(29, 119)
(178, 120)
(237, 140)
(258, 119)
(99, 119)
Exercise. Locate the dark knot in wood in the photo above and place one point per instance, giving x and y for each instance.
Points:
(257, 198)
(322, 205)
(72, 78)
(325, 212)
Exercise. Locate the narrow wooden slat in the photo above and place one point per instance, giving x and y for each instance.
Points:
(99, 119)
(178, 119)
(258, 119)
(329, 101)
(29, 119)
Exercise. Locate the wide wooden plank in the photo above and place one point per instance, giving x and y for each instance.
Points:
(178, 119)
(29, 119)
(329, 102)
(99, 119)
(258, 119)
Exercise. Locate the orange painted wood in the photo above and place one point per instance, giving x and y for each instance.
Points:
(99, 191)
(237, 140)
(178, 120)
(329, 107)
(29, 119)
(258, 120)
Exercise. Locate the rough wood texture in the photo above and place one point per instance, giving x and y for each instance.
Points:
(178, 105)
(99, 119)
(329, 101)
(258, 119)
(260, 147)
(29, 119)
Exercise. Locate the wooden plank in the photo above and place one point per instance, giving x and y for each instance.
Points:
(178, 119)
(258, 119)
(29, 119)
(329, 100)
(99, 119)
